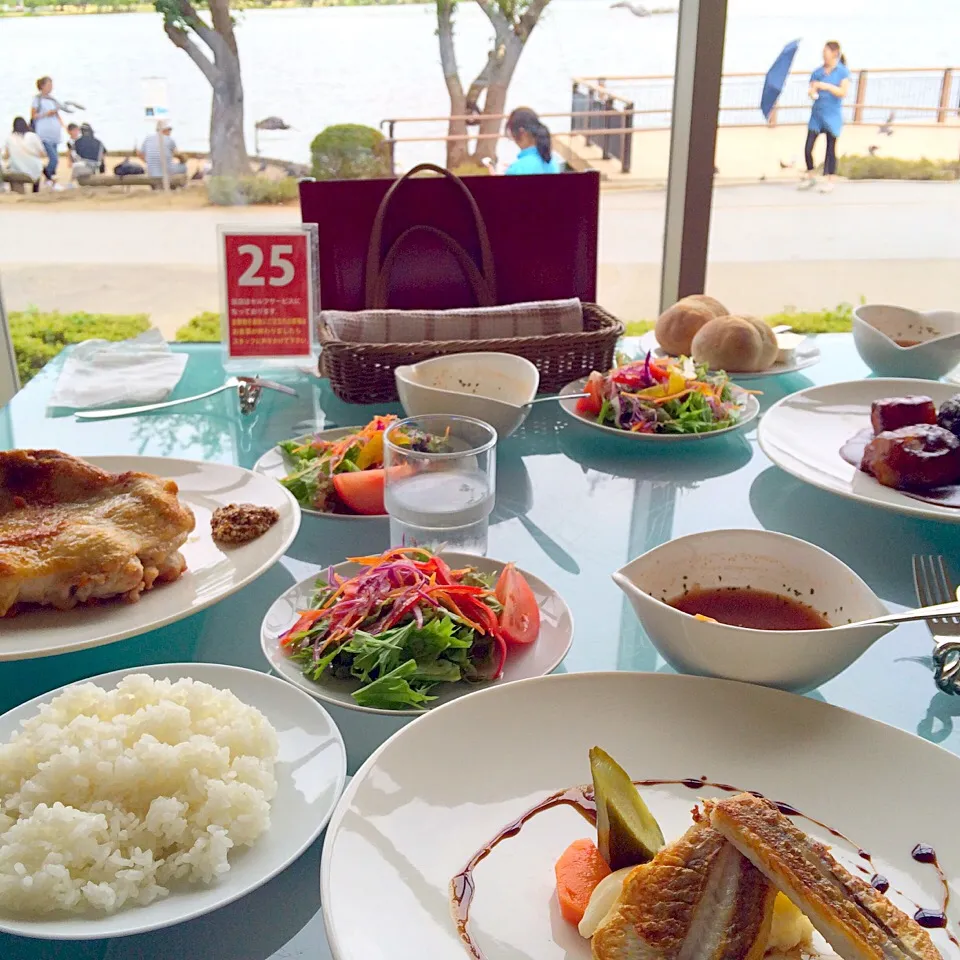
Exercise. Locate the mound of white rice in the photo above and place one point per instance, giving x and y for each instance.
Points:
(107, 797)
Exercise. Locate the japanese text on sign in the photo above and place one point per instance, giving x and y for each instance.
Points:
(268, 294)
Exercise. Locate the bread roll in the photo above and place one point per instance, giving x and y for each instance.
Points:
(719, 310)
(735, 344)
(676, 327)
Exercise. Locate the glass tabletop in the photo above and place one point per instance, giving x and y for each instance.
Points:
(572, 506)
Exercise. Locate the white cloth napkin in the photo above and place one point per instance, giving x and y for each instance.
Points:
(98, 373)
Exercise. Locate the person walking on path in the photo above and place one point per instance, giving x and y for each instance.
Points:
(829, 84)
(47, 124)
(24, 153)
(533, 138)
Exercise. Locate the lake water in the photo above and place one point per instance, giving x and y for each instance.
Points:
(314, 67)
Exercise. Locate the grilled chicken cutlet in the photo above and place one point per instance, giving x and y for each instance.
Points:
(857, 921)
(698, 899)
(71, 532)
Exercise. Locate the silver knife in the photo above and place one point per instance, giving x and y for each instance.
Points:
(248, 388)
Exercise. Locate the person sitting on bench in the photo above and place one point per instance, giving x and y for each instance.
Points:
(150, 152)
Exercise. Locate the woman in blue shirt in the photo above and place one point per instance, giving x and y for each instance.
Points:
(829, 84)
(533, 139)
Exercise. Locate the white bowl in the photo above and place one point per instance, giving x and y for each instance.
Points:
(796, 660)
(493, 387)
(877, 327)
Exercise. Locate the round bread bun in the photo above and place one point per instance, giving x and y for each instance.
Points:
(719, 310)
(676, 326)
(735, 344)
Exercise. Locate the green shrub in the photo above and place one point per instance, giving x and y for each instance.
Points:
(349, 151)
(837, 320)
(203, 328)
(891, 168)
(242, 191)
(38, 337)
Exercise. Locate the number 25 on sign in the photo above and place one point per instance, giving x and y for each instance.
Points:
(269, 291)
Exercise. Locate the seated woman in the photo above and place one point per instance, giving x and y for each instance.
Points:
(24, 153)
(533, 139)
(88, 153)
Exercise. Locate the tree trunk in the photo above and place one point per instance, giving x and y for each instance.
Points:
(458, 151)
(228, 149)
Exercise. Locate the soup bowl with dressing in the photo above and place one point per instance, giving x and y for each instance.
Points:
(809, 587)
(899, 342)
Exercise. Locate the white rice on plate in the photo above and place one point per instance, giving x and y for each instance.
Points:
(107, 797)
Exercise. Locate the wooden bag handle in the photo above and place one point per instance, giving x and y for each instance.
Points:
(483, 281)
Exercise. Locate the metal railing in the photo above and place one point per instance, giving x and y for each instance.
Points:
(930, 95)
(607, 111)
(604, 119)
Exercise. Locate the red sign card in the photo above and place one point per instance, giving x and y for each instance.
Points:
(268, 294)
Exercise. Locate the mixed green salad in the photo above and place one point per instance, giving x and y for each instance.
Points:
(661, 396)
(408, 622)
(346, 475)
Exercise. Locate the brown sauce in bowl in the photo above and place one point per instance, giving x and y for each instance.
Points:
(755, 609)
(906, 343)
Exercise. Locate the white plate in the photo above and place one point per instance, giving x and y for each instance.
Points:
(535, 660)
(803, 434)
(441, 788)
(751, 407)
(276, 465)
(311, 769)
(212, 573)
(806, 355)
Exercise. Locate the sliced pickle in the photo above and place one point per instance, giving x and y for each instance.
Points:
(627, 833)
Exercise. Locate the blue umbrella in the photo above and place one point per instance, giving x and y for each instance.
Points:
(777, 77)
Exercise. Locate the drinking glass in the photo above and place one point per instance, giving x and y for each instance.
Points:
(441, 499)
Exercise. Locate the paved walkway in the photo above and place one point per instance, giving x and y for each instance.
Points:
(771, 246)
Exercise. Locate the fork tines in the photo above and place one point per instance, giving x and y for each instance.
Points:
(934, 585)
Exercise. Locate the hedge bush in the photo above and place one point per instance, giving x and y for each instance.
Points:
(38, 337)
(349, 151)
(891, 168)
(243, 191)
(203, 328)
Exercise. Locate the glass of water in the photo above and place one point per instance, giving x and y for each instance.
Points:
(441, 482)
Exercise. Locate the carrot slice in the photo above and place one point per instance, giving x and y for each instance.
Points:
(579, 870)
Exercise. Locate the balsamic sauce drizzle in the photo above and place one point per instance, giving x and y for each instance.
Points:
(462, 887)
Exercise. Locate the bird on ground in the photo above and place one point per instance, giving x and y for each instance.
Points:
(885, 127)
(872, 149)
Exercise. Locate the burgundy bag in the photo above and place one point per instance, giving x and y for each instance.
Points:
(440, 242)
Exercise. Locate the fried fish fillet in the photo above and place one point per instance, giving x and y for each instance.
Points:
(71, 533)
(855, 919)
(698, 899)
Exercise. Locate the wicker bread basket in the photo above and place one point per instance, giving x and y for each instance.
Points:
(363, 372)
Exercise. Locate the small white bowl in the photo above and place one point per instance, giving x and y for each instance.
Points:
(877, 328)
(797, 660)
(493, 387)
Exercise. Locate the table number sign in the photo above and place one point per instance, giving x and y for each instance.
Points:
(269, 292)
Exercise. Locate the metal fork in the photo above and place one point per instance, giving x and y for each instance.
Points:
(933, 585)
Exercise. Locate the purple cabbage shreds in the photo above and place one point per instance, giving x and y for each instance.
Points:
(418, 616)
(647, 375)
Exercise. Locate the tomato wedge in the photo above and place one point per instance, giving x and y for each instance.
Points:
(361, 491)
(520, 617)
(592, 404)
